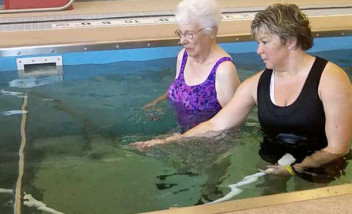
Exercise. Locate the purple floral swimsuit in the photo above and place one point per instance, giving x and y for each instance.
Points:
(194, 104)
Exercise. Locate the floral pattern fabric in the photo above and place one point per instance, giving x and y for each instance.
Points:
(198, 103)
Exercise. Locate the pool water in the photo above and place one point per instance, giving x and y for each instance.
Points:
(77, 158)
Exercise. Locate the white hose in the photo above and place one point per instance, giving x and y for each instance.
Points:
(287, 159)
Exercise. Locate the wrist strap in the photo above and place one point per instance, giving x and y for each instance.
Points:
(290, 170)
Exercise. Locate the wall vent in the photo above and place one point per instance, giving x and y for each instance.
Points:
(39, 66)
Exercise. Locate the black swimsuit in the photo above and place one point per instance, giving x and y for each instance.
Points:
(298, 129)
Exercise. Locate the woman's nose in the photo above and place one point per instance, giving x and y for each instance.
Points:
(183, 40)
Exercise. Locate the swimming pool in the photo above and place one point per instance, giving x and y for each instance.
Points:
(78, 128)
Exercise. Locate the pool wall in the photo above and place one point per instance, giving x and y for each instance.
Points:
(8, 63)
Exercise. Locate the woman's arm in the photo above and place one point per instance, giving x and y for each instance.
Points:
(231, 115)
(164, 96)
(226, 82)
(156, 101)
(335, 91)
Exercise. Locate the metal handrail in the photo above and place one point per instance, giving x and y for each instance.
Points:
(30, 10)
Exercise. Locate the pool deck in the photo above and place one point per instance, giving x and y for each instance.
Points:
(336, 199)
(235, 30)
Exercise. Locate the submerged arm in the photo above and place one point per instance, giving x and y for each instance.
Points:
(156, 101)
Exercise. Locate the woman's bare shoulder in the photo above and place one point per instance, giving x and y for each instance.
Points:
(334, 76)
(254, 79)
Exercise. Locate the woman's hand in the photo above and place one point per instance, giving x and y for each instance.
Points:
(146, 144)
(284, 170)
(276, 170)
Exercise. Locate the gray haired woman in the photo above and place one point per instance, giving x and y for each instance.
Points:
(206, 78)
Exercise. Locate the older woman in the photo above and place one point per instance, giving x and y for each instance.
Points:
(304, 102)
(206, 77)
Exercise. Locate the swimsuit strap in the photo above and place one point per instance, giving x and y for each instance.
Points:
(212, 73)
(215, 67)
(183, 65)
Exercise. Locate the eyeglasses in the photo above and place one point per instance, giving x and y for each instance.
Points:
(189, 35)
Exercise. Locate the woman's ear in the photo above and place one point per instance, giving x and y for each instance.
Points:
(291, 43)
(213, 33)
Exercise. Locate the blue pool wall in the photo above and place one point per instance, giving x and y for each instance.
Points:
(144, 54)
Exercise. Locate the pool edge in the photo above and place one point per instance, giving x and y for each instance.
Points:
(269, 201)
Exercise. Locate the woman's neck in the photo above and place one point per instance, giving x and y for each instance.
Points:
(297, 62)
(206, 54)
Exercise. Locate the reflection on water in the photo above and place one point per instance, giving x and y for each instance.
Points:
(78, 130)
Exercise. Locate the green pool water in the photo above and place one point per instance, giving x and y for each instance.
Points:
(78, 131)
